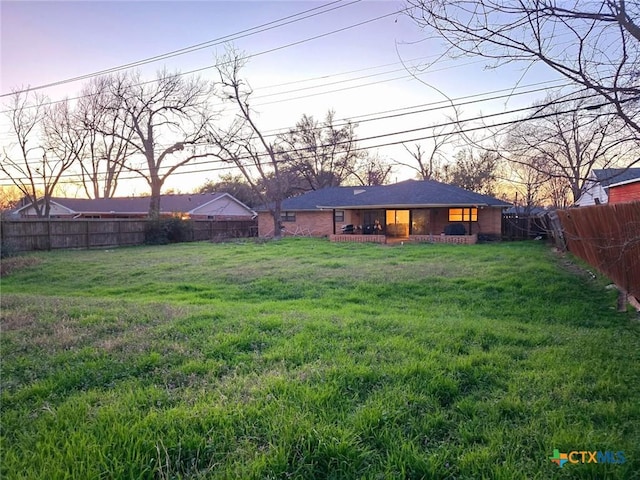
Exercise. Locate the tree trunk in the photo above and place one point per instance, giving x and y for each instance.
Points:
(277, 227)
(154, 201)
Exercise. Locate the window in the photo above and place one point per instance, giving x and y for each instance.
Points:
(463, 214)
(339, 216)
(288, 216)
(420, 222)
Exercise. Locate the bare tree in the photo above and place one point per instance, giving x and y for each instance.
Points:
(473, 170)
(44, 148)
(169, 119)
(592, 44)
(530, 180)
(559, 192)
(10, 197)
(243, 144)
(427, 162)
(322, 153)
(568, 141)
(372, 170)
(108, 138)
(235, 185)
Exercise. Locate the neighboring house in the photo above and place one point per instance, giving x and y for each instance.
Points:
(409, 209)
(216, 206)
(596, 188)
(626, 191)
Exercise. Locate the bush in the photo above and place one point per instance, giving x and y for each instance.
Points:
(7, 248)
(455, 229)
(169, 230)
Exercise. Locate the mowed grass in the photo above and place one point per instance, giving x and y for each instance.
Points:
(306, 359)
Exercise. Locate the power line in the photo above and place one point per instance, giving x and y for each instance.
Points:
(201, 69)
(210, 43)
(374, 137)
(423, 108)
(53, 102)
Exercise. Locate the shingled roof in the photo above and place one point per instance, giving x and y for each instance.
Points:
(136, 205)
(610, 176)
(407, 194)
(169, 204)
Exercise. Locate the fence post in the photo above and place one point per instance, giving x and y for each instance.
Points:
(49, 233)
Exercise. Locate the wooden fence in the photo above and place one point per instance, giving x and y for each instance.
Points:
(524, 227)
(608, 238)
(51, 234)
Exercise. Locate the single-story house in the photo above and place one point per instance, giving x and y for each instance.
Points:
(412, 210)
(215, 206)
(625, 191)
(595, 190)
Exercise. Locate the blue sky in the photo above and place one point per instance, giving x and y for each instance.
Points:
(44, 42)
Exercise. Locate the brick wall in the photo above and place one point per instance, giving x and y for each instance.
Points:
(320, 223)
(314, 224)
(489, 221)
(358, 238)
(625, 193)
(458, 239)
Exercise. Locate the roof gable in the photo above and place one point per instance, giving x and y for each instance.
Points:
(181, 203)
(222, 204)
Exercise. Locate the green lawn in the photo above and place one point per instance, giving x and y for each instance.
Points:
(306, 359)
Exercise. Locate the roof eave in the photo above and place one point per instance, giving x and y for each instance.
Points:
(625, 182)
(410, 206)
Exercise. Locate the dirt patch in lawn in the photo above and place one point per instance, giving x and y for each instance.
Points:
(10, 265)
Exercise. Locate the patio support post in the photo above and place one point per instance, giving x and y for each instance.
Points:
(334, 220)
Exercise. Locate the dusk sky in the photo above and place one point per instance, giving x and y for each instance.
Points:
(357, 72)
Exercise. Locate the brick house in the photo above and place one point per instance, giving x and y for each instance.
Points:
(411, 210)
(214, 206)
(626, 191)
(596, 189)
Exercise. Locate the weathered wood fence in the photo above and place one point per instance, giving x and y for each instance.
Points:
(524, 227)
(608, 238)
(51, 234)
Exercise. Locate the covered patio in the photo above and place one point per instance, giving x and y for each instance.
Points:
(409, 211)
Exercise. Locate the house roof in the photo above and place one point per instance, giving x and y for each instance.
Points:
(522, 210)
(407, 194)
(610, 176)
(181, 203)
(625, 182)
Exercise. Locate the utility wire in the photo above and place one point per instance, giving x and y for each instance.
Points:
(430, 107)
(198, 70)
(374, 137)
(210, 43)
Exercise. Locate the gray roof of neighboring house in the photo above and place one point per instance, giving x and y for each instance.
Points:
(522, 210)
(609, 176)
(180, 203)
(407, 194)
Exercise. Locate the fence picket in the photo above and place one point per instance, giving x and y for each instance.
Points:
(608, 238)
(49, 234)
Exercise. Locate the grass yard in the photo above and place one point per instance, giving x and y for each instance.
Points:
(302, 359)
